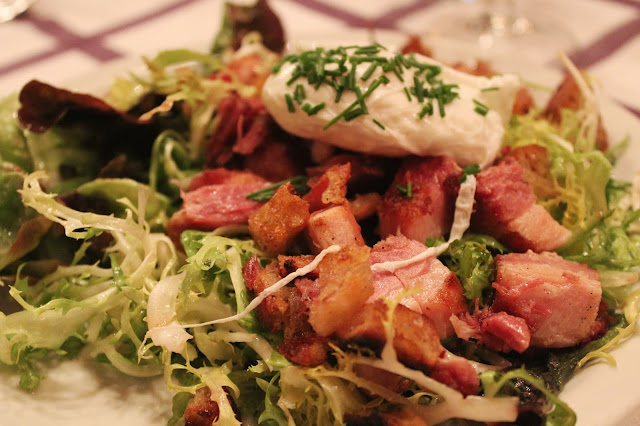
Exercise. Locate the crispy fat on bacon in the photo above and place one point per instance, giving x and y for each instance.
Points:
(333, 225)
(427, 211)
(559, 299)
(201, 410)
(437, 291)
(416, 342)
(220, 176)
(506, 209)
(496, 330)
(330, 188)
(345, 283)
(568, 96)
(287, 310)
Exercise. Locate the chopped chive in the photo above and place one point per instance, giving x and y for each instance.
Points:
(299, 94)
(408, 94)
(441, 110)
(490, 89)
(315, 109)
(379, 124)
(353, 114)
(480, 104)
(290, 107)
(363, 105)
(299, 184)
(480, 108)
(351, 82)
(427, 109)
(418, 89)
(369, 71)
(405, 190)
(469, 170)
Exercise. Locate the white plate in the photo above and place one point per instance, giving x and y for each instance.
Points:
(82, 392)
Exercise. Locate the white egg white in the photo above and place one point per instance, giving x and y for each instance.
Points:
(462, 134)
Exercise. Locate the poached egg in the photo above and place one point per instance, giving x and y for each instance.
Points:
(463, 133)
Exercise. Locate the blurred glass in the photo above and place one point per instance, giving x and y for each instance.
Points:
(9, 9)
(516, 26)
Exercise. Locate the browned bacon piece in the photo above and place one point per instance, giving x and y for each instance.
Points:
(345, 283)
(568, 96)
(221, 176)
(365, 205)
(301, 344)
(496, 330)
(414, 45)
(368, 173)
(276, 160)
(506, 209)
(558, 299)
(276, 224)
(333, 225)
(428, 211)
(243, 124)
(249, 70)
(272, 312)
(437, 291)
(479, 68)
(536, 168)
(330, 188)
(212, 206)
(416, 342)
(523, 102)
(201, 410)
(286, 310)
(289, 264)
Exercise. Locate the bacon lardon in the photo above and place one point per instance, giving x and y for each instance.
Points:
(219, 176)
(427, 212)
(201, 410)
(496, 330)
(557, 298)
(506, 209)
(330, 188)
(416, 342)
(333, 225)
(435, 290)
(212, 206)
(345, 283)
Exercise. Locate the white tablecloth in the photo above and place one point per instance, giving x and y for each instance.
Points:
(57, 40)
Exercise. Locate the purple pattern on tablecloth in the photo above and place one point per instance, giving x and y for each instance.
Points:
(96, 47)
(607, 44)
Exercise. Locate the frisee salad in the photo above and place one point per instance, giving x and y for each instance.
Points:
(341, 235)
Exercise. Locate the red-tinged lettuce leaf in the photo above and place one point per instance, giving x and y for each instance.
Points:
(43, 106)
(74, 136)
(238, 21)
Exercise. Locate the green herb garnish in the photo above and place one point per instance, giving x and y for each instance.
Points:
(337, 68)
(299, 185)
(405, 190)
(470, 170)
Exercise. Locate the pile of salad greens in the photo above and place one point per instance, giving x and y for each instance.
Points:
(77, 276)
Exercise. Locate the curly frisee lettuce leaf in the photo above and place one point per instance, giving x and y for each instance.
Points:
(98, 306)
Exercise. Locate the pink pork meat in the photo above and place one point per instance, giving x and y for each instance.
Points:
(421, 201)
(558, 299)
(506, 209)
(438, 291)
